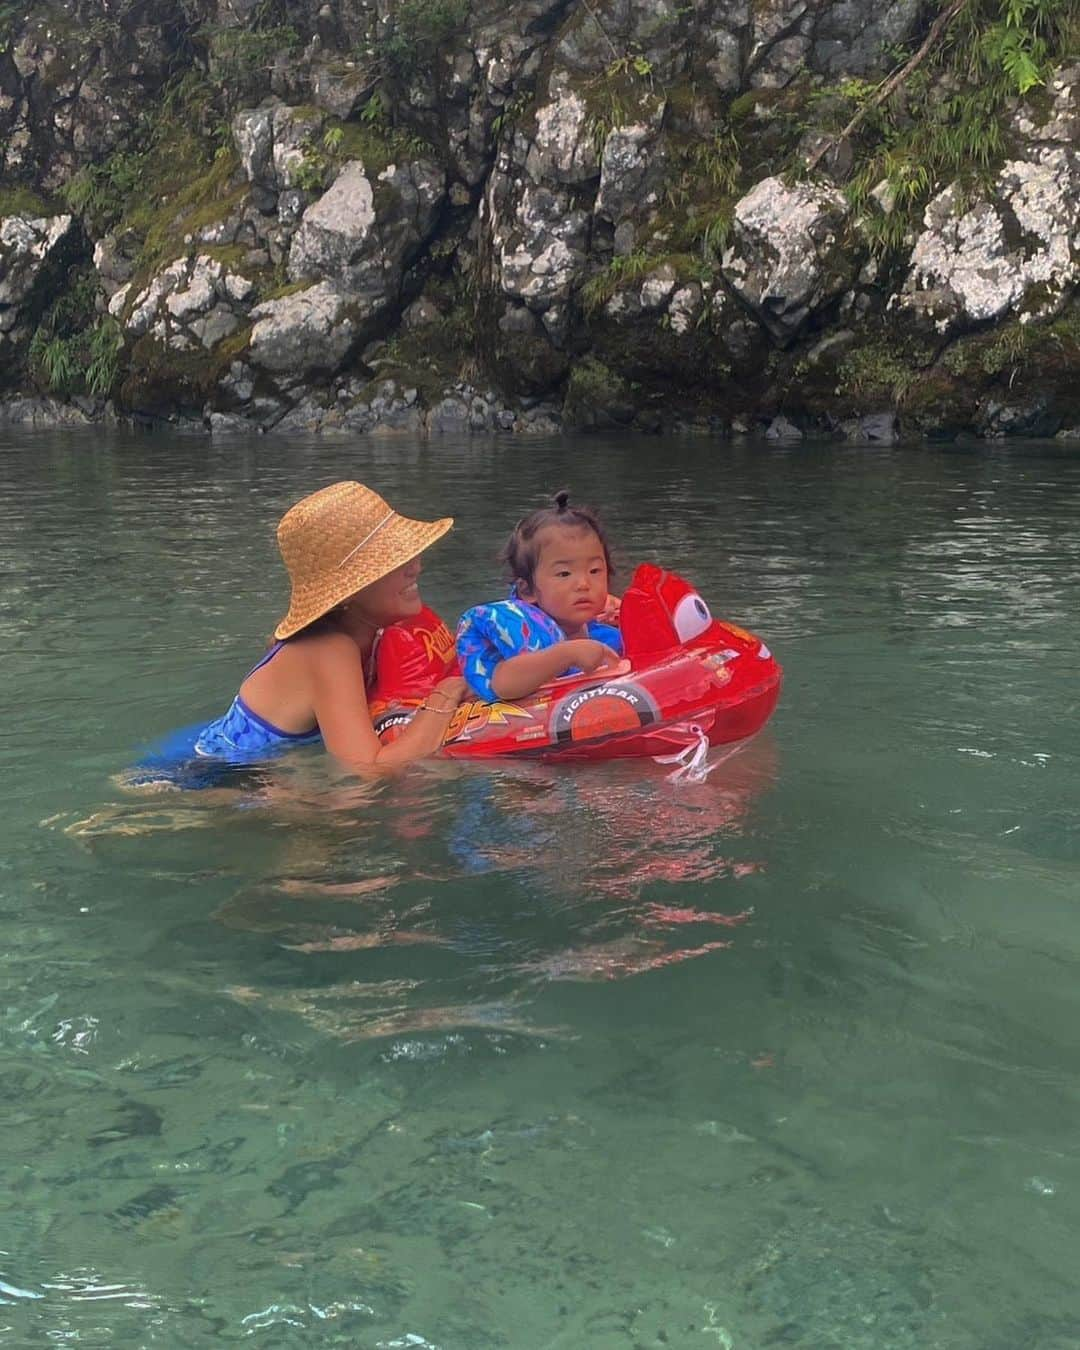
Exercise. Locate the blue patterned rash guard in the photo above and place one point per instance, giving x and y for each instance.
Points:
(488, 634)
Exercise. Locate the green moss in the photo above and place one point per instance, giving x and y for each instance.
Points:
(229, 255)
(22, 201)
(179, 200)
(233, 346)
(876, 370)
(952, 122)
(284, 288)
(418, 32)
(596, 395)
(431, 356)
(622, 93)
(621, 271)
(1017, 349)
(162, 380)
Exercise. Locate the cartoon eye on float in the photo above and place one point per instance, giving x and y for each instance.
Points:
(691, 617)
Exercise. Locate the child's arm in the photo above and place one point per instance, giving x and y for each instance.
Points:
(520, 675)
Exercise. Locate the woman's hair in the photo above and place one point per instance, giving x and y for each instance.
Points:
(522, 553)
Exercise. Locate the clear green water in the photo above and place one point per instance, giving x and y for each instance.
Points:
(457, 1060)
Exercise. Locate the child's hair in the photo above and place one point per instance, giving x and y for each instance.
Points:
(521, 553)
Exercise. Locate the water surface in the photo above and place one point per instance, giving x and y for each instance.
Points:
(531, 1057)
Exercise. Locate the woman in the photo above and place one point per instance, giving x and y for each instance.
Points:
(353, 563)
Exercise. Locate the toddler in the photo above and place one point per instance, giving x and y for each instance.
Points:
(560, 565)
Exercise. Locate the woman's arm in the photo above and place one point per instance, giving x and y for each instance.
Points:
(341, 710)
(520, 675)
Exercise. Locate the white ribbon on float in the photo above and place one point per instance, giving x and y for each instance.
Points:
(692, 760)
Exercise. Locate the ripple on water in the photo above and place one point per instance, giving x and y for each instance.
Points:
(489, 1056)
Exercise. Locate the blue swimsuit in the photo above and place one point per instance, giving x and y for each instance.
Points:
(242, 735)
(488, 634)
(189, 757)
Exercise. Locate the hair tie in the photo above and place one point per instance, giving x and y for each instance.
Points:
(562, 500)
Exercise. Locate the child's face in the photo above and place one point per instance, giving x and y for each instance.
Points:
(571, 578)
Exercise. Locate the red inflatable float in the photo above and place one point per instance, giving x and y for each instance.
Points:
(688, 680)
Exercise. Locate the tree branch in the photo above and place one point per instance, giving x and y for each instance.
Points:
(603, 31)
(895, 80)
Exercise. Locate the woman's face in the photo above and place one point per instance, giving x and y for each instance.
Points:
(393, 597)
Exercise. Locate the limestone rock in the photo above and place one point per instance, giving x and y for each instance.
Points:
(1031, 416)
(562, 150)
(341, 89)
(881, 428)
(299, 334)
(449, 417)
(541, 248)
(629, 168)
(192, 301)
(41, 412)
(788, 255)
(200, 292)
(1020, 250)
(114, 260)
(335, 229)
(215, 326)
(271, 141)
(781, 429)
(26, 247)
(1060, 123)
(229, 424)
(364, 249)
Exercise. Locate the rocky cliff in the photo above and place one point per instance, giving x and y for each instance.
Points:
(462, 215)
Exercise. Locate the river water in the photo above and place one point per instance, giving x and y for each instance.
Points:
(525, 1056)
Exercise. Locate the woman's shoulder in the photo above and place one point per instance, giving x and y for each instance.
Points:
(327, 644)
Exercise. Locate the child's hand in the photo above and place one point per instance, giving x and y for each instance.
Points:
(589, 654)
(610, 612)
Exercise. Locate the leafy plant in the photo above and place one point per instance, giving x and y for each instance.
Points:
(55, 359)
(716, 159)
(417, 31)
(8, 16)
(622, 270)
(716, 233)
(373, 113)
(241, 54)
(510, 115)
(618, 95)
(311, 173)
(990, 53)
(104, 345)
(876, 370)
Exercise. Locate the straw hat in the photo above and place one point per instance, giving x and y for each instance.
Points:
(339, 540)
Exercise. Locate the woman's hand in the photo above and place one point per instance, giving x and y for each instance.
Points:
(589, 654)
(453, 688)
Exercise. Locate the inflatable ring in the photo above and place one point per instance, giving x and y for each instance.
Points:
(684, 672)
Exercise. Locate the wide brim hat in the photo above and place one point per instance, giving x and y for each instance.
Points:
(339, 540)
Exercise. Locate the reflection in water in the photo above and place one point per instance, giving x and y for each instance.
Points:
(586, 845)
